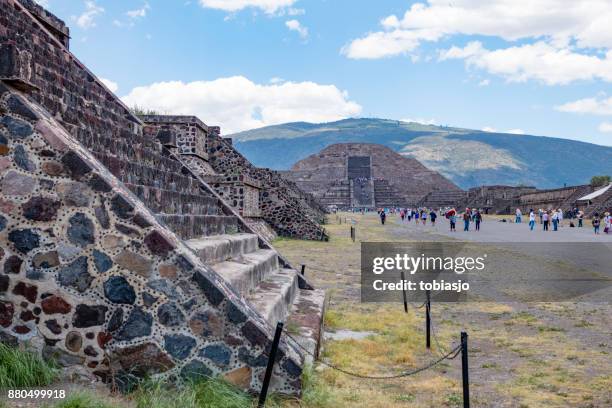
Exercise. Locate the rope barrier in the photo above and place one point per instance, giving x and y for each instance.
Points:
(450, 355)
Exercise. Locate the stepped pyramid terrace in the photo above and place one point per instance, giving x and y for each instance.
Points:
(365, 175)
(138, 245)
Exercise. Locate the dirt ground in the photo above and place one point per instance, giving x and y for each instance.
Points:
(554, 354)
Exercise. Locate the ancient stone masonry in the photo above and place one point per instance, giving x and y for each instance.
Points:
(259, 195)
(94, 208)
(363, 175)
(495, 199)
(563, 198)
(286, 208)
(90, 276)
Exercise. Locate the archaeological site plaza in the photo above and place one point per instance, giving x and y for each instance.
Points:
(240, 244)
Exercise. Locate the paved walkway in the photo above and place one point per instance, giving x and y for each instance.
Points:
(492, 230)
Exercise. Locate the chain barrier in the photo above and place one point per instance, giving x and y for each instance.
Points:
(450, 355)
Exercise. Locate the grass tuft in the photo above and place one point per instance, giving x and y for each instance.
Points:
(207, 393)
(83, 400)
(22, 369)
(315, 392)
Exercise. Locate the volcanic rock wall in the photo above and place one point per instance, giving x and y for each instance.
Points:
(290, 211)
(87, 272)
(90, 277)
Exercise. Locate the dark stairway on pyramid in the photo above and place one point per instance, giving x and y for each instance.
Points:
(361, 184)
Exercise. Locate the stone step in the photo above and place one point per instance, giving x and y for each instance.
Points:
(220, 248)
(273, 298)
(305, 322)
(245, 274)
(172, 202)
(190, 226)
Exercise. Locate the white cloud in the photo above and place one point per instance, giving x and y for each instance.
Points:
(484, 82)
(559, 37)
(139, 12)
(44, 3)
(591, 106)
(584, 21)
(538, 61)
(295, 11)
(490, 129)
(296, 26)
(388, 43)
(420, 121)
(605, 127)
(268, 6)
(112, 86)
(236, 103)
(515, 131)
(87, 18)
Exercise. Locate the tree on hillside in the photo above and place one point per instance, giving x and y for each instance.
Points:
(598, 181)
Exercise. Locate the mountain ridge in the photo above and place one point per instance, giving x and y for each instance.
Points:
(468, 157)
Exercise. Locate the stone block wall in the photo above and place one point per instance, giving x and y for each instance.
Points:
(90, 277)
(553, 198)
(239, 191)
(290, 211)
(102, 123)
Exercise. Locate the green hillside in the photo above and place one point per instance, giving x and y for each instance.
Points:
(468, 157)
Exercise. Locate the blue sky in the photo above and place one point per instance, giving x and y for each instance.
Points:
(541, 67)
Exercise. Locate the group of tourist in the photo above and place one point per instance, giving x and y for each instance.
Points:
(555, 218)
(422, 215)
(549, 219)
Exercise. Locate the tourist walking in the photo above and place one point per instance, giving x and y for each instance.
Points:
(452, 218)
(532, 217)
(555, 220)
(540, 213)
(560, 217)
(432, 217)
(545, 220)
(607, 223)
(596, 223)
(519, 216)
(477, 219)
(383, 217)
(466, 220)
(580, 218)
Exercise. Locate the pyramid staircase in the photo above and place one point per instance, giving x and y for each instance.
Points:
(386, 195)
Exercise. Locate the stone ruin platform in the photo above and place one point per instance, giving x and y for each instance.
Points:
(116, 257)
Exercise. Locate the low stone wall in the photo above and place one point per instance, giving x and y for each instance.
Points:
(549, 199)
(88, 276)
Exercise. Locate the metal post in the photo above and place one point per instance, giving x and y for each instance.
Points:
(428, 319)
(266, 382)
(464, 370)
(404, 292)
(303, 269)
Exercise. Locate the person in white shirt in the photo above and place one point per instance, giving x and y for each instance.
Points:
(560, 216)
(555, 220)
(532, 219)
(519, 216)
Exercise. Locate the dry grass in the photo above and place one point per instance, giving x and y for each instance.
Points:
(518, 358)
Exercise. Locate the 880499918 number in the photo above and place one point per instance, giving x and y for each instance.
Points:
(36, 394)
